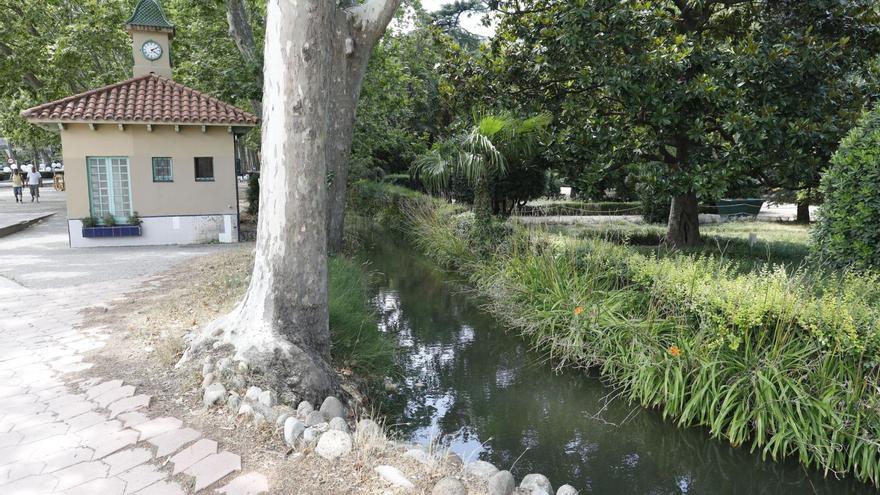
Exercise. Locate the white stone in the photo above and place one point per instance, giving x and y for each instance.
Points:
(501, 483)
(481, 469)
(214, 393)
(253, 394)
(449, 486)
(338, 424)
(303, 409)
(536, 484)
(268, 398)
(368, 428)
(566, 490)
(393, 475)
(332, 408)
(246, 410)
(209, 379)
(293, 430)
(314, 418)
(333, 444)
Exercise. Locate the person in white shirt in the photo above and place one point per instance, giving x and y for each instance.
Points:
(34, 179)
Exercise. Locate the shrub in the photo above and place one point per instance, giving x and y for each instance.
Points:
(109, 220)
(848, 232)
(253, 194)
(655, 204)
(89, 222)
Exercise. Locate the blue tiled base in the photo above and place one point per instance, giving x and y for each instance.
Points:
(114, 231)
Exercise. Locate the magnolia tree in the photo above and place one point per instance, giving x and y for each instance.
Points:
(315, 56)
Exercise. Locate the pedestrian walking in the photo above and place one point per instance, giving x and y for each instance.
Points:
(34, 179)
(16, 186)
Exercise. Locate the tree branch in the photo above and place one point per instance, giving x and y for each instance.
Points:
(373, 16)
(240, 30)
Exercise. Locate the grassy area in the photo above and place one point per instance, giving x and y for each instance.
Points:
(782, 361)
(775, 243)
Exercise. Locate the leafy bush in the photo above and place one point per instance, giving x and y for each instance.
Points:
(108, 220)
(89, 222)
(848, 232)
(655, 205)
(253, 194)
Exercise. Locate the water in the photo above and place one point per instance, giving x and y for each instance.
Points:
(486, 395)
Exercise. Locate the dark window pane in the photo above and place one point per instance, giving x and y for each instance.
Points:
(204, 168)
(162, 169)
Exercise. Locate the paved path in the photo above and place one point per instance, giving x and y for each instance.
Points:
(96, 437)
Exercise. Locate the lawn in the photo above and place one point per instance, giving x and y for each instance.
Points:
(774, 242)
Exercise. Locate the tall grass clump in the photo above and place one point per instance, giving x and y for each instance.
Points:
(782, 362)
(356, 341)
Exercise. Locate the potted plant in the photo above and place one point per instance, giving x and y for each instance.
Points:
(108, 226)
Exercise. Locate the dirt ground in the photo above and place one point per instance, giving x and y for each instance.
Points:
(149, 327)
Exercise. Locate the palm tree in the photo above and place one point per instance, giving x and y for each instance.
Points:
(481, 155)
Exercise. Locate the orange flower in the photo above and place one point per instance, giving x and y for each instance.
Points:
(578, 310)
(674, 351)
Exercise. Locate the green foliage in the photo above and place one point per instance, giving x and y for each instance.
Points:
(356, 341)
(690, 97)
(108, 220)
(782, 362)
(88, 222)
(655, 205)
(848, 233)
(253, 194)
(133, 219)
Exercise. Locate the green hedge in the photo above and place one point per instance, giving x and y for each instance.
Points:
(848, 231)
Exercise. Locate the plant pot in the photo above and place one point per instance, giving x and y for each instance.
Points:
(112, 231)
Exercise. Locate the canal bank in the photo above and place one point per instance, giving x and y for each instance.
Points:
(473, 386)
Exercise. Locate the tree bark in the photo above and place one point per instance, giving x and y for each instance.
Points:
(683, 229)
(281, 325)
(803, 211)
(358, 30)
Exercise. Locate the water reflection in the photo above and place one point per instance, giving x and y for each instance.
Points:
(485, 395)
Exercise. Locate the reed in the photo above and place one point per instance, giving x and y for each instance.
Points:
(782, 362)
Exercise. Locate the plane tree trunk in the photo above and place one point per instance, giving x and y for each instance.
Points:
(281, 326)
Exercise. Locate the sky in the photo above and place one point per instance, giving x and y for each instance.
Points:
(471, 23)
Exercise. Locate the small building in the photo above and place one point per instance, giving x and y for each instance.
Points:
(148, 161)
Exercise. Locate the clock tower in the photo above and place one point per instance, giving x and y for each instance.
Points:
(151, 34)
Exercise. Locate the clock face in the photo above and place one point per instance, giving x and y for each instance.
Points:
(151, 50)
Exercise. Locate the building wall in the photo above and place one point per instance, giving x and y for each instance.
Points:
(184, 196)
(192, 229)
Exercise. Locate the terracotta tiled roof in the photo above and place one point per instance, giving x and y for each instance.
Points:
(145, 99)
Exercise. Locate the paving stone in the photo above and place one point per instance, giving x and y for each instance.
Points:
(41, 483)
(67, 458)
(133, 418)
(11, 438)
(22, 469)
(171, 441)
(163, 488)
(45, 448)
(85, 420)
(36, 433)
(127, 459)
(140, 477)
(116, 442)
(193, 454)
(129, 404)
(103, 486)
(23, 421)
(78, 474)
(114, 395)
(158, 426)
(246, 484)
(213, 468)
(75, 409)
(93, 435)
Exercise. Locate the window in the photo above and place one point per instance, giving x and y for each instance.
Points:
(109, 187)
(204, 168)
(162, 169)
